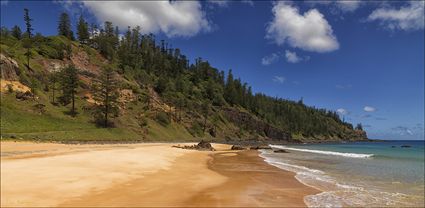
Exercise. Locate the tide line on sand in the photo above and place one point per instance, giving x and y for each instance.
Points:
(343, 154)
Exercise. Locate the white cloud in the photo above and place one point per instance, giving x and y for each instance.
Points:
(369, 109)
(177, 18)
(309, 31)
(348, 6)
(342, 111)
(292, 57)
(267, 60)
(279, 79)
(410, 17)
(219, 3)
(338, 5)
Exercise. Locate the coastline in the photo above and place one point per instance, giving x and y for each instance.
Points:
(150, 174)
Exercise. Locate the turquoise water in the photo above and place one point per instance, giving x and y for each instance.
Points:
(357, 174)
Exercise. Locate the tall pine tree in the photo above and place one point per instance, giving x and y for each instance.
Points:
(83, 30)
(69, 83)
(106, 96)
(27, 43)
(64, 26)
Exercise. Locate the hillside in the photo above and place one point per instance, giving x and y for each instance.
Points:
(161, 97)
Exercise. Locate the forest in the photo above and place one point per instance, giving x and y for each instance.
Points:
(139, 58)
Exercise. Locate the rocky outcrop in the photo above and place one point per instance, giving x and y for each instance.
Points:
(9, 68)
(237, 147)
(203, 145)
(280, 151)
(260, 147)
(247, 121)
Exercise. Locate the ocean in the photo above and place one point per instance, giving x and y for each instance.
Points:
(356, 174)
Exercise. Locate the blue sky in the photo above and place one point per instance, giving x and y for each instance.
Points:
(362, 59)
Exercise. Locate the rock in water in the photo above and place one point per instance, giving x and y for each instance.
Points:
(405, 146)
(280, 151)
(260, 147)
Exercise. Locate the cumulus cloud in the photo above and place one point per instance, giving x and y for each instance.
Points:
(279, 79)
(410, 17)
(309, 31)
(338, 5)
(292, 57)
(369, 109)
(219, 3)
(348, 6)
(267, 60)
(342, 111)
(176, 18)
(224, 3)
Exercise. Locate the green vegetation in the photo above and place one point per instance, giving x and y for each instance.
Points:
(145, 89)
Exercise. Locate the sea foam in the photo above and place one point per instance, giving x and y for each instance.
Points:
(343, 154)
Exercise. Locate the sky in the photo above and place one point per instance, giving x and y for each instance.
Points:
(364, 60)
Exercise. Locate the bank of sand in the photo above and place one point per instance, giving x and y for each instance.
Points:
(37, 174)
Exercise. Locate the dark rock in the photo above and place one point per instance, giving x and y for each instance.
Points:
(13, 136)
(24, 95)
(200, 146)
(204, 145)
(280, 151)
(237, 147)
(405, 146)
(393, 146)
(212, 132)
(260, 147)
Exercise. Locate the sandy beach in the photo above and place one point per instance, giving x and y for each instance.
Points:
(152, 174)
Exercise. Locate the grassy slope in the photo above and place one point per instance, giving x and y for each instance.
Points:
(20, 120)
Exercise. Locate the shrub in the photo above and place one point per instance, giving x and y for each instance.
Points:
(163, 118)
(196, 129)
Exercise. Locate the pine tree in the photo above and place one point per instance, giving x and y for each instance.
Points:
(106, 96)
(16, 32)
(69, 84)
(83, 30)
(359, 127)
(64, 26)
(27, 43)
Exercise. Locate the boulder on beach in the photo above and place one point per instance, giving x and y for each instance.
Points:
(203, 145)
(237, 147)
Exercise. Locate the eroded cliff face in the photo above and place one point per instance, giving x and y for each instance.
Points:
(9, 68)
(246, 121)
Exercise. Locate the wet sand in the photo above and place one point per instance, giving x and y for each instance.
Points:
(142, 175)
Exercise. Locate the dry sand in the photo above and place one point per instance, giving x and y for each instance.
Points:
(37, 174)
